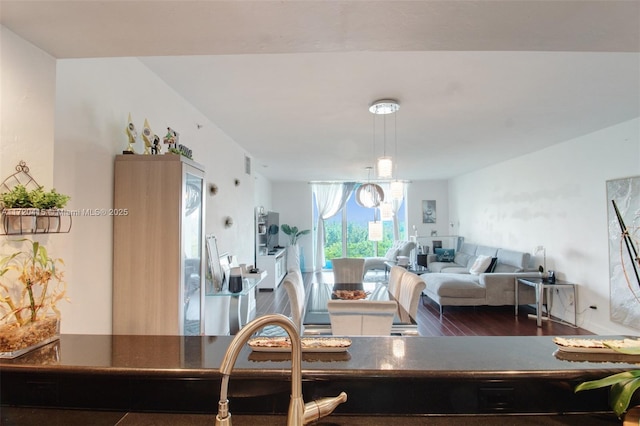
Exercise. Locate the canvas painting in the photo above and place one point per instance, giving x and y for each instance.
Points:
(623, 261)
(429, 211)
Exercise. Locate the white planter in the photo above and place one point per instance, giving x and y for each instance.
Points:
(19, 221)
(293, 258)
(48, 221)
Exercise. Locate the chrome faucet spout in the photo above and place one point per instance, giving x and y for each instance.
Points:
(298, 414)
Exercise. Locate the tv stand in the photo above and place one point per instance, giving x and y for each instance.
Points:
(276, 266)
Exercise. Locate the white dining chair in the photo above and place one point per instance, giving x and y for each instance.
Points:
(294, 286)
(411, 286)
(395, 277)
(361, 317)
(348, 269)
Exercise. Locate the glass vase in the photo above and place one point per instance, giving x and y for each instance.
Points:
(17, 340)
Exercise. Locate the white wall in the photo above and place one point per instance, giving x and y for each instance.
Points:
(418, 191)
(293, 200)
(555, 198)
(27, 82)
(94, 99)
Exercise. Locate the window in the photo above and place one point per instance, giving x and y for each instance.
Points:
(347, 231)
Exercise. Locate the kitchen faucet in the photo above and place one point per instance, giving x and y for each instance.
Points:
(299, 413)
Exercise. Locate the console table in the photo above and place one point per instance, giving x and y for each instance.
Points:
(541, 285)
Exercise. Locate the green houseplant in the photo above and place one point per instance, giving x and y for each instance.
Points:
(293, 252)
(623, 385)
(31, 285)
(28, 211)
(293, 233)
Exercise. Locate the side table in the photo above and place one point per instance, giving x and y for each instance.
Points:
(540, 286)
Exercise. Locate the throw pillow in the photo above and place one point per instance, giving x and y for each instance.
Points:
(492, 265)
(445, 255)
(391, 254)
(480, 265)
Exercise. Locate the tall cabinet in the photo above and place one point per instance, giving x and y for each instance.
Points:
(158, 245)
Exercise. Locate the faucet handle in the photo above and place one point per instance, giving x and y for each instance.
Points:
(322, 407)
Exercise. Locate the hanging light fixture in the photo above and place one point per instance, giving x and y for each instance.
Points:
(386, 211)
(384, 107)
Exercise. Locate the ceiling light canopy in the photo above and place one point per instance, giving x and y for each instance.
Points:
(384, 106)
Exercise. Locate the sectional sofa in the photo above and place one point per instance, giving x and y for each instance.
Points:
(452, 283)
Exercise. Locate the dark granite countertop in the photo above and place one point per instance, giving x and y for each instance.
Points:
(382, 375)
(392, 357)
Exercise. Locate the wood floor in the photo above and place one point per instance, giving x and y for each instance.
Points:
(456, 321)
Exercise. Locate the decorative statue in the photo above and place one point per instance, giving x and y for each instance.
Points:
(155, 149)
(133, 135)
(147, 137)
(171, 138)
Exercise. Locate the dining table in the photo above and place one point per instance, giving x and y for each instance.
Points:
(317, 320)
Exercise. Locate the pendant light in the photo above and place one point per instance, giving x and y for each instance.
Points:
(384, 107)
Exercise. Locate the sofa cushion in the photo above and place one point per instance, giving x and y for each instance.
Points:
(480, 265)
(511, 261)
(445, 255)
(464, 259)
(454, 285)
(492, 265)
(468, 248)
(486, 251)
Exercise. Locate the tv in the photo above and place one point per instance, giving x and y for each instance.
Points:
(273, 231)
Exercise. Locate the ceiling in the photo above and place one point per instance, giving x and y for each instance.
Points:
(478, 82)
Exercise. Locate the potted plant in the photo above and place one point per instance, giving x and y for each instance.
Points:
(18, 210)
(21, 208)
(293, 253)
(31, 284)
(49, 205)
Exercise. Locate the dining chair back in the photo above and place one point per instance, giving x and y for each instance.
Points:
(361, 317)
(395, 277)
(348, 269)
(411, 286)
(294, 286)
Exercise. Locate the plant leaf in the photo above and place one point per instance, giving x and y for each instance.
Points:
(621, 393)
(607, 381)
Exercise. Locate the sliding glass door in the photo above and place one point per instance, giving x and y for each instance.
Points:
(347, 232)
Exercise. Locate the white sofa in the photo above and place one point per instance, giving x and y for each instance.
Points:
(398, 248)
(451, 283)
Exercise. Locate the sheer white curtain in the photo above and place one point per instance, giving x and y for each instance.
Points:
(330, 199)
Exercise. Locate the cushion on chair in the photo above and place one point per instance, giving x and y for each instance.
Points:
(391, 254)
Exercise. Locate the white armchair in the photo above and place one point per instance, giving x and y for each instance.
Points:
(399, 248)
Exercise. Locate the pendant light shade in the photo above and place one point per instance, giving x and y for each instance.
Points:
(386, 211)
(397, 190)
(385, 167)
(375, 231)
(384, 107)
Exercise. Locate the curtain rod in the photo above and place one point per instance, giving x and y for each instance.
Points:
(357, 181)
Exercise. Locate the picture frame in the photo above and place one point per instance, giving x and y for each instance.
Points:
(429, 212)
(225, 267)
(215, 272)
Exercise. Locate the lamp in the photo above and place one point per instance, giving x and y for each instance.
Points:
(541, 249)
(384, 107)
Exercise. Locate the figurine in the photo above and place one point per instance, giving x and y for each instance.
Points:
(155, 149)
(147, 137)
(133, 135)
(171, 138)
